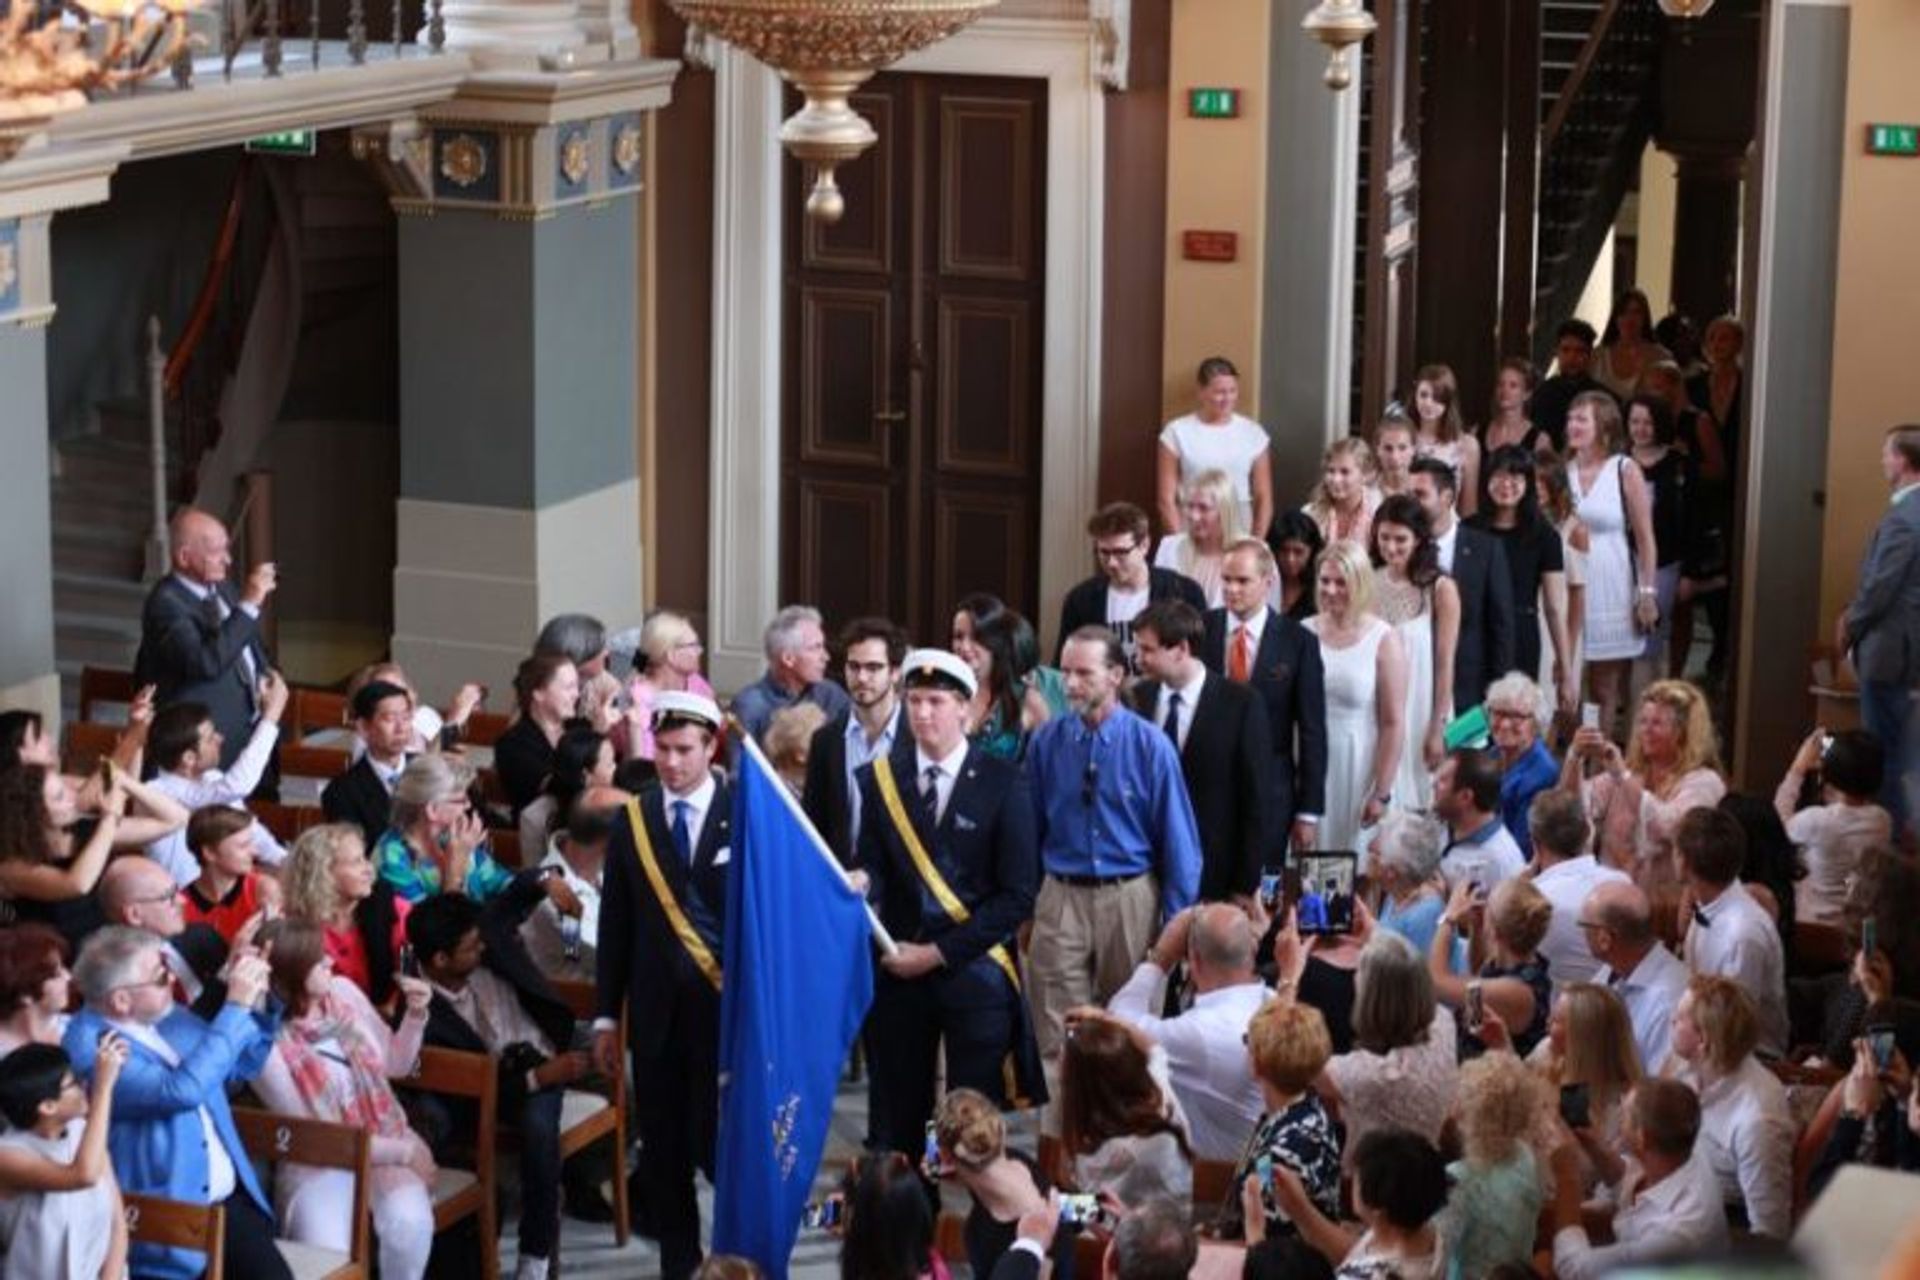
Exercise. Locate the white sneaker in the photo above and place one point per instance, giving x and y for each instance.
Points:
(531, 1269)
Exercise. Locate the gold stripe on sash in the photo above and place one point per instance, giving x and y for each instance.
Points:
(696, 946)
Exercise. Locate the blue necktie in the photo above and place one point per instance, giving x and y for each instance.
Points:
(682, 833)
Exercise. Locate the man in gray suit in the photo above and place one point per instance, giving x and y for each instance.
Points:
(1881, 627)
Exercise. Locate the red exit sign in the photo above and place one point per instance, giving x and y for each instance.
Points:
(1210, 246)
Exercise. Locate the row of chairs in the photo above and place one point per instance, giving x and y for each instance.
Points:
(458, 1194)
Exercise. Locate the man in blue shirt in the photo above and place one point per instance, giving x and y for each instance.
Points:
(1118, 843)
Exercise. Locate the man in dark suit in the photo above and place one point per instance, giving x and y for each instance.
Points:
(871, 649)
(1880, 627)
(1125, 585)
(489, 998)
(363, 795)
(1477, 563)
(1226, 750)
(951, 851)
(663, 901)
(1250, 643)
(200, 642)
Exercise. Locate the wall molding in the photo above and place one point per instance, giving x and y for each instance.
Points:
(744, 520)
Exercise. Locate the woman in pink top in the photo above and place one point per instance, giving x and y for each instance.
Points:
(670, 652)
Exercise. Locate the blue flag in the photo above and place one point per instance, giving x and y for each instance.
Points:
(799, 977)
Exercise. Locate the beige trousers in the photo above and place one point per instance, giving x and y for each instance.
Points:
(1087, 941)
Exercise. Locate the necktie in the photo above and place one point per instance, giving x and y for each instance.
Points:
(1700, 918)
(683, 831)
(1240, 661)
(1173, 720)
(930, 794)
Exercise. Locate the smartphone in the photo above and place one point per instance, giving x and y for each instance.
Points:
(1079, 1210)
(1324, 902)
(1263, 1171)
(1870, 935)
(822, 1215)
(1589, 715)
(1476, 1006)
(1474, 872)
(1576, 1105)
(1270, 882)
(409, 964)
(930, 1163)
(106, 773)
(1880, 1041)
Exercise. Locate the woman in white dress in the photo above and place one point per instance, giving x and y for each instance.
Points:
(1366, 688)
(1215, 438)
(1556, 503)
(1443, 433)
(1215, 521)
(1422, 605)
(1612, 499)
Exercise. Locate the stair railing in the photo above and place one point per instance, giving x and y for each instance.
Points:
(1577, 78)
(159, 553)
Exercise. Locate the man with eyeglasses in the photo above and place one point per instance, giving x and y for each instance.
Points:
(1118, 841)
(139, 892)
(873, 649)
(1649, 979)
(172, 1133)
(1125, 585)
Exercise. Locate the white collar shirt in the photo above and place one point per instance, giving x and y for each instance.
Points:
(1679, 1216)
(698, 801)
(1445, 543)
(1746, 1136)
(1206, 1056)
(862, 752)
(1565, 885)
(1739, 940)
(1189, 694)
(1255, 627)
(949, 772)
(1650, 993)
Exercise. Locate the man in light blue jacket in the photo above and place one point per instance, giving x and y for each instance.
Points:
(172, 1133)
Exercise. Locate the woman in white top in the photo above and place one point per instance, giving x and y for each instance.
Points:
(1215, 521)
(1746, 1129)
(1423, 607)
(1627, 348)
(1366, 690)
(1615, 505)
(1215, 438)
(1842, 839)
(1443, 433)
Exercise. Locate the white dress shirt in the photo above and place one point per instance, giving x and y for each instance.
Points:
(1256, 627)
(229, 787)
(1566, 885)
(1746, 1136)
(1650, 993)
(221, 1179)
(1189, 698)
(861, 752)
(1679, 1216)
(1491, 849)
(698, 801)
(1206, 1056)
(1446, 542)
(949, 768)
(542, 930)
(1740, 941)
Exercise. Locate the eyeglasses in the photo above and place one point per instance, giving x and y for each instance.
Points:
(1588, 924)
(171, 896)
(1501, 713)
(1116, 553)
(159, 982)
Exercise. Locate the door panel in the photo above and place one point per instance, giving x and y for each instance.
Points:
(913, 338)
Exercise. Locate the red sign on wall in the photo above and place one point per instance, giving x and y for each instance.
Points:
(1210, 246)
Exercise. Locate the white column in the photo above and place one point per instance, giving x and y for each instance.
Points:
(513, 33)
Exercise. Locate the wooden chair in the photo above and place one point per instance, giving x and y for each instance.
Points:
(103, 684)
(485, 727)
(505, 846)
(462, 1193)
(271, 1138)
(317, 709)
(1819, 948)
(586, 1116)
(286, 821)
(326, 763)
(950, 1238)
(86, 745)
(1212, 1181)
(178, 1224)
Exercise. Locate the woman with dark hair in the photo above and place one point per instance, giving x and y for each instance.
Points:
(546, 689)
(1536, 561)
(51, 858)
(35, 987)
(1296, 543)
(1215, 438)
(1120, 1122)
(1507, 422)
(887, 1228)
(1670, 474)
(1399, 1188)
(1016, 694)
(1423, 606)
(332, 1059)
(1627, 347)
(582, 758)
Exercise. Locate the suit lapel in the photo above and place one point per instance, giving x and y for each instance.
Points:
(1268, 659)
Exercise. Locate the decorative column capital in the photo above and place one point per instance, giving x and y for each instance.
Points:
(34, 185)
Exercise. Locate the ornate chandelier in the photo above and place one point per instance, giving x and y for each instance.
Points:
(47, 67)
(1337, 24)
(826, 49)
(1684, 9)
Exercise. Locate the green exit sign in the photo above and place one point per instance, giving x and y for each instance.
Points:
(288, 142)
(1213, 104)
(1893, 139)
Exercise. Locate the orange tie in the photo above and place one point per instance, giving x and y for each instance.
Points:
(1239, 661)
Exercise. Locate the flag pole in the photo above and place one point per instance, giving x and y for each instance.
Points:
(880, 934)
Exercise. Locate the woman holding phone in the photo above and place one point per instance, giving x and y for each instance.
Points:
(1503, 945)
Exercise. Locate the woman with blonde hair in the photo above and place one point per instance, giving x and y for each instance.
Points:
(1343, 503)
(1510, 979)
(669, 662)
(1215, 520)
(1443, 434)
(1671, 767)
(1120, 1122)
(1589, 1056)
(971, 1136)
(329, 881)
(1616, 506)
(1495, 1205)
(1366, 690)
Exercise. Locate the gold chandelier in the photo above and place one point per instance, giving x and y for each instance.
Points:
(826, 49)
(47, 67)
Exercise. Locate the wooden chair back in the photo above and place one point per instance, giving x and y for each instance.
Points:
(274, 1138)
(468, 1075)
(286, 821)
(326, 763)
(104, 684)
(582, 1000)
(178, 1224)
(86, 744)
(485, 727)
(317, 709)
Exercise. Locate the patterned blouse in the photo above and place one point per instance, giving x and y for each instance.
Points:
(415, 878)
(1305, 1139)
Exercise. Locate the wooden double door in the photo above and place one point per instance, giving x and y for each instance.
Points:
(913, 333)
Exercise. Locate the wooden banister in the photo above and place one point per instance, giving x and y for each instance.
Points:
(1577, 78)
(211, 284)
